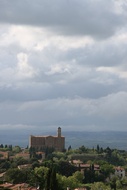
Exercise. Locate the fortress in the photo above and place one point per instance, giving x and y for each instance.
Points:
(56, 142)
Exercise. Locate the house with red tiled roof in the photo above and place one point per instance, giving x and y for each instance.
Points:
(81, 188)
(21, 186)
(4, 155)
(76, 162)
(41, 155)
(82, 167)
(6, 185)
(24, 166)
(119, 171)
(23, 155)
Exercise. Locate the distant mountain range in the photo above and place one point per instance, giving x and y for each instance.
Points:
(104, 139)
(113, 139)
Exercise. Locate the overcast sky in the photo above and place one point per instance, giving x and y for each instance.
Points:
(63, 63)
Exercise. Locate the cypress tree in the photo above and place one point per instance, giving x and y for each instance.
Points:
(53, 180)
(48, 181)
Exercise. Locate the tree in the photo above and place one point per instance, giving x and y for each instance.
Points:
(48, 181)
(69, 148)
(40, 176)
(5, 165)
(98, 148)
(107, 169)
(20, 160)
(6, 146)
(89, 174)
(32, 152)
(10, 147)
(15, 176)
(53, 180)
(62, 182)
(65, 168)
(83, 149)
(99, 186)
(1, 146)
(113, 184)
(73, 182)
(78, 176)
(16, 149)
(35, 164)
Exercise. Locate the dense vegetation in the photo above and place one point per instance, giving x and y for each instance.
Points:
(57, 170)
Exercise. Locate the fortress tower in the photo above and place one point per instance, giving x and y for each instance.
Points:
(59, 132)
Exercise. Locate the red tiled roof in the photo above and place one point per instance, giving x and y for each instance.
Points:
(119, 168)
(16, 186)
(40, 152)
(76, 161)
(6, 185)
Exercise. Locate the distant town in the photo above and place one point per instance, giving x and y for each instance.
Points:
(47, 165)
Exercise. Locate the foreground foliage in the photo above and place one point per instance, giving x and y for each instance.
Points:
(57, 171)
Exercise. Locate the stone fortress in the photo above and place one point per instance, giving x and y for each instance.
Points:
(56, 142)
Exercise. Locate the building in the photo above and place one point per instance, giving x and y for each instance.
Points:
(41, 155)
(4, 155)
(21, 186)
(24, 166)
(41, 142)
(23, 155)
(83, 167)
(119, 171)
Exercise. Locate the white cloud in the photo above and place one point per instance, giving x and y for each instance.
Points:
(115, 70)
(24, 69)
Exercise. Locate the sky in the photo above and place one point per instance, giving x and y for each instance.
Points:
(63, 63)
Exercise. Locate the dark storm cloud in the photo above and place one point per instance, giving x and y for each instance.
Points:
(93, 85)
(78, 112)
(96, 18)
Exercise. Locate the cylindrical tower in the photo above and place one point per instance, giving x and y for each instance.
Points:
(59, 132)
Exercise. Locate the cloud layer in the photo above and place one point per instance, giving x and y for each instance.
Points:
(63, 63)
